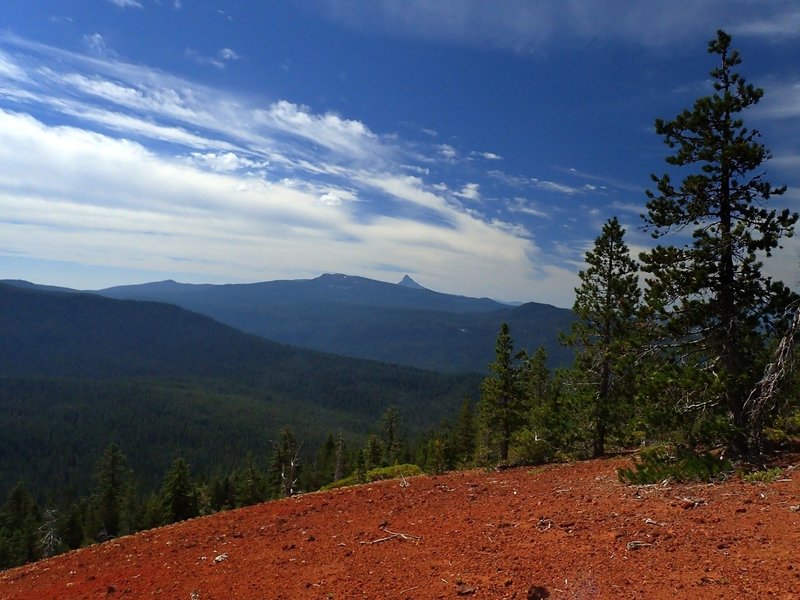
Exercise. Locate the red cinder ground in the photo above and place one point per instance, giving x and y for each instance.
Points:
(564, 531)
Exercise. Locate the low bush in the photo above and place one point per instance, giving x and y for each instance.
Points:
(528, 449)
(765, 476)
(393, 472)
(661, 463)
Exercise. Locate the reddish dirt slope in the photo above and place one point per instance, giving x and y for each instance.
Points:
(569, 531)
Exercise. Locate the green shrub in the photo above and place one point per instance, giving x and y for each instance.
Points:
(664, 462)
(527, 449)
(774, 436)
(789, 423)
(765, 476)
(393, 472)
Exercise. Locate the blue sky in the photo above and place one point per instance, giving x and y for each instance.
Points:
(478, 146)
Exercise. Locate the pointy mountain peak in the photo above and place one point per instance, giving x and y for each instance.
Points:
(406, 281)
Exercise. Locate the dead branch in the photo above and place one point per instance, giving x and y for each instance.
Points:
(636, 544)
(765, 392)
(392, 535)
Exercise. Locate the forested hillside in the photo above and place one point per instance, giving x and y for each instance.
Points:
(79, 372)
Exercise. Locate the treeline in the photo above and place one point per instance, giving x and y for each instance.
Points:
(118, 504)
(702, 354)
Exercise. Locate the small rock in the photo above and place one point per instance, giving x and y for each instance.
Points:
(465, 590)
(221, 557)
(537, 592)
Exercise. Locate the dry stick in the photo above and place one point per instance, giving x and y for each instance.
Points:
(392, 535)
(411, 589)
(775, 375)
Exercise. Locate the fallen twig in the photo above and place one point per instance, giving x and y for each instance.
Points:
(688, 503)
(411, 589)
(392, 535)
(636, 544)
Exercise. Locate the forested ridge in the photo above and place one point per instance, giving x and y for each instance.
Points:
(81, 373)
(363, 318)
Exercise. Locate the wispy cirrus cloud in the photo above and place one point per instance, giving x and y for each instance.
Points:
(541, 184)
(785, 23)
(782, 100)
(485, 155)
(527, 207)
(155, 171)
(126, 3)
(220, 60)
(526, 27)
(96, 44)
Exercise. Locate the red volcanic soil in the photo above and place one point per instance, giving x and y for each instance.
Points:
(566, 531)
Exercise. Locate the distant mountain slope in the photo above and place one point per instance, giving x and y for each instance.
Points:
(359, 317)
(78, 371)
(329, 288)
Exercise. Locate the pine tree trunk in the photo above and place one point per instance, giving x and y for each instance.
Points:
(601, 411)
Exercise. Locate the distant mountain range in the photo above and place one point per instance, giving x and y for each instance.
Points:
(78, 371)
(402, 323)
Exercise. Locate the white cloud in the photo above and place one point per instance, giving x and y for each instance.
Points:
(228, 183)
(330, 199)
(85, 197)
(447, 151)
(163, 101)
(785, 24)
(470, 191)
(328, 130)
(225, 162)
(782, 100)
(526, 207)
(534, 182)
(486, 155)
(228, 54)
(629, 207)
(220, 60)
(126, 3)
(523, 26)
(195, 56)
(96, 44)
(10, 70)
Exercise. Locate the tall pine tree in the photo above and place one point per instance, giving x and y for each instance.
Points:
(502, 405)
(605, 304)
(709, 292)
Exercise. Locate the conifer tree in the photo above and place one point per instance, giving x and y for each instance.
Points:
(709, 293)
(390, 436)
(605, 304)
(112, 478)
(178, 494)
(464, 434)
(20, 519)
(372, 453)
(250, 484)
(341, 451)
(535, 376)
(502, 403)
